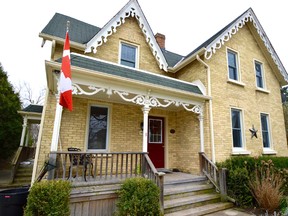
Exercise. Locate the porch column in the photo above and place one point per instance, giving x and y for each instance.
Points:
(200, 117)
(27, 135)
(55, 138)
(24, 126)
(145, 110)
(56, 129)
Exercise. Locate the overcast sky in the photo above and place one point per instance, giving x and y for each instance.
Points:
(186, 24)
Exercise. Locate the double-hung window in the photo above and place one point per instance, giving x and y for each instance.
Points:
(259, 74)
(265, 130)
(128, 55)
(237, 128)
(98, 128)
(233, 65)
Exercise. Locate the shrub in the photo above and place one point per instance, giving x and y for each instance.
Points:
(138, 196)
(266, 187)
(242, 168)
(238, 187)
(49, 198)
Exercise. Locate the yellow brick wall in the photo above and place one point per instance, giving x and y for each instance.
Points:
(226, 95)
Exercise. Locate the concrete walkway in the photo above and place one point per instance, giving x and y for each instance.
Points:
(230, 212)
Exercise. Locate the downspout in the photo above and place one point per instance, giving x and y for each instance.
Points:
(210, 107)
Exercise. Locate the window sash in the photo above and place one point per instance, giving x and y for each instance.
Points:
(232, 65)
(237, 128)
(98, 128)
(265, 131)
(259, 74)
(128, 55)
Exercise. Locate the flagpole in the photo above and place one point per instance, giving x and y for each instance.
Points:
(58, 116)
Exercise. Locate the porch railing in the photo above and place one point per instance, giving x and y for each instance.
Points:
(215, 175)
(89, 168)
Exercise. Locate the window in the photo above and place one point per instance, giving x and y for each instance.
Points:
(128, 55)
(98, 128)
(237, 128)
(265, 130)
(155, 131)
(259, 75)
(232, 65)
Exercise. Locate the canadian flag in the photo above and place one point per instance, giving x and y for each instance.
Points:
(65, 77)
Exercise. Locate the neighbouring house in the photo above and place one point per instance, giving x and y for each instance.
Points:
(130, 94)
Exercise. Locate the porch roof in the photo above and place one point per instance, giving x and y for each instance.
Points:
(130, 73)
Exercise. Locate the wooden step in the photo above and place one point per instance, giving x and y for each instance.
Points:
(187, 190)
(183, 203)
(193, 195)
(203, 210)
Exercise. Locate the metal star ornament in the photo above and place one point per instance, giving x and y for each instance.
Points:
(253, 132)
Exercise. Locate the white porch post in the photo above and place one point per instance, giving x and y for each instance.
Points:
(145, 110)
(55, 138)
(56, 129)
(24, 126)
(27, 135)
(200, 117)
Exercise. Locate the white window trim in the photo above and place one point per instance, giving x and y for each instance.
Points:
(130, 44)
(264, 89)
(239, 81)
(108, 127)
(239, 150)
(267, 150)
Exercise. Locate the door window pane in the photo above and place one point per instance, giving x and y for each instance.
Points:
(155, 131)
(98, 128)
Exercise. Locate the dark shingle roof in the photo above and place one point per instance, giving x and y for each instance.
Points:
(82, 33)
(33, 108)
(79, 31)
(136, 75)
(171, 58)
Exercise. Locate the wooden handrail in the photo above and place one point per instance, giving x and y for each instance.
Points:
(216, 176)
(209, 169)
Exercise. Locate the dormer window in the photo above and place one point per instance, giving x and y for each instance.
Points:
(128, 55)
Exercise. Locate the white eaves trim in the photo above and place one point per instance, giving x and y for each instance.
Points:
(132, 8)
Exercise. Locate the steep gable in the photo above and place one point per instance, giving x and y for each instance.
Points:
(131, 9)
(215, 43)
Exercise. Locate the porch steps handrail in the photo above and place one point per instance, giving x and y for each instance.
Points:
(216, 176)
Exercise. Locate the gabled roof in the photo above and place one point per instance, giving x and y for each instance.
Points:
(80, 32)
(83, 61)
(33, 108)
(131, 9)
(217, 40)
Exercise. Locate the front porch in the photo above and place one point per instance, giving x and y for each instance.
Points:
(96, 178)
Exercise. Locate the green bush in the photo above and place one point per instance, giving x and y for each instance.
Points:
(238, 186)
(49, 198)
(138, 197)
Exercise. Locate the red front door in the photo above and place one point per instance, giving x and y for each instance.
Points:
(156, 141)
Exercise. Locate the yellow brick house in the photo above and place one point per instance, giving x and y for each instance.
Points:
(130, 94)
